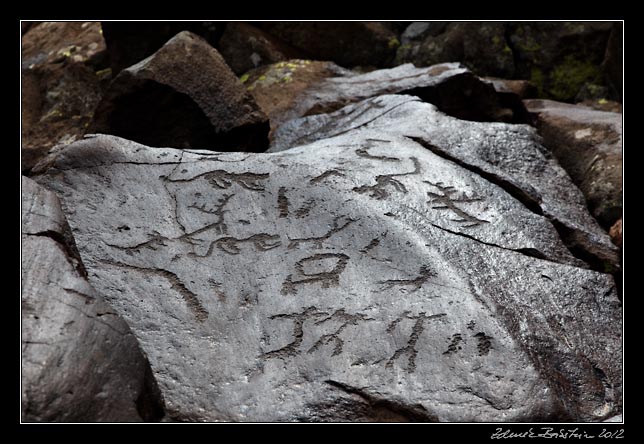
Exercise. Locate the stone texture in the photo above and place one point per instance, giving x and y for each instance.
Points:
(362, 277)
(130, 42)
(245, 47)
(616, 233)
(588, 144)
(511, 155)
(61, 84)
(183, 96)
(297, 88)
(349, 44)
(80, 361)
(481, 46)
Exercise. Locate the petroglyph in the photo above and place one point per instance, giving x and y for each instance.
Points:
(425, 273)
(298, 320)
(384, 181)
(325, 278)
(364, 152)
(447, 201)
(223, 179)
(230, 245)
(282, 202)
(218, 210)
(317, 241)
(346, 319)
(410, 349)
(305, 209)
(325, 175)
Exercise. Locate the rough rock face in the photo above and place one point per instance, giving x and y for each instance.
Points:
(130, 42)
(80, 361)
(183, 96)
(588, 144)
(321, 87)
(510, 155)
(616, 233)
(361, 277)
(348, 44)
(61, 84)
(245, 47)
(481, 46)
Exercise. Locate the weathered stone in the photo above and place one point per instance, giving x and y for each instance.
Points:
(245, 47)
(130, 42)
(616, 233)
(299, 88)
(588, 144)
(560, 58)
(524, 89)
(60, 85)
(348, 44)
(603, 105)
(510, 155)
(183, 96)
(80, 361)
(481, 46)
(361, 277)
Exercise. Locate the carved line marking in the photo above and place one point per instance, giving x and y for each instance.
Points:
(373, 244)
(317, 241)
(230, 245)
(425, 273)
(219, 210)
(223, 179)
(305, 209)
(410, 349)
(484, 343)
(327, 278)
(379, 190)
(282, 202)
(447, 201)
(454, 346)
(346, 319)
(363, 152)
(298, 332)
(191, 299)
(326, 174)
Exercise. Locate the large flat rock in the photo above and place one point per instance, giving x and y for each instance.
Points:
(357, 278)
(80, 361)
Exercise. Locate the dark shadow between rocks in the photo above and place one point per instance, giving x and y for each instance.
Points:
(159, 116)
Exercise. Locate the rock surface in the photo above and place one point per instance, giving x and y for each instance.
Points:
(60, 84)
(349, 44)
(510, 155)
(616, 233)
(588, 144)
(80, 361)
(299, 88)
(362, 277)
(245, 47)
(183, 96)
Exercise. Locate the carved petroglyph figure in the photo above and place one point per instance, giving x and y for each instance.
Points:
(326, 277)
(384, 181)
(447, 201)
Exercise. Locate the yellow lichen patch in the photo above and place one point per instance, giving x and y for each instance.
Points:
(244, 78)
(393, 43)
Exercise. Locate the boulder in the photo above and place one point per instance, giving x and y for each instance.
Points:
(509, 155)
(130, 42)
(349, 44)
(80, 361)
(61, 84)
(588, 144)
(296, 88)
(183, 96)
(362, 277)
(245, 47)
(615, 233)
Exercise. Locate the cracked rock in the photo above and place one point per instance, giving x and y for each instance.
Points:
(588, 144)
(183, 96)
(80, 361)
(360, 277)
(509, 155)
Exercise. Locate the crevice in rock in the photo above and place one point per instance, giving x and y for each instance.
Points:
(150, 404)
(384, 408)
(571, 238)
(68, 246)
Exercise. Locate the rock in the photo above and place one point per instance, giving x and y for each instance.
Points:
(60, 84)
(80, 361)
(613, 64)
(297, 88)
(130, 42)
(245, 47)
(359, 278)
(523, 89)
(588, 144)
(183, 96)
(509, 155)
(603, 105)
(26, 26)
(481, 46)
(348, 44)
(560, 58)
(616, 233)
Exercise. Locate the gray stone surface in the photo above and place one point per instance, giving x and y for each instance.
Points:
(588, 144)
(183, 96)
(357, 278)
(510, 155)
(80, 361)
